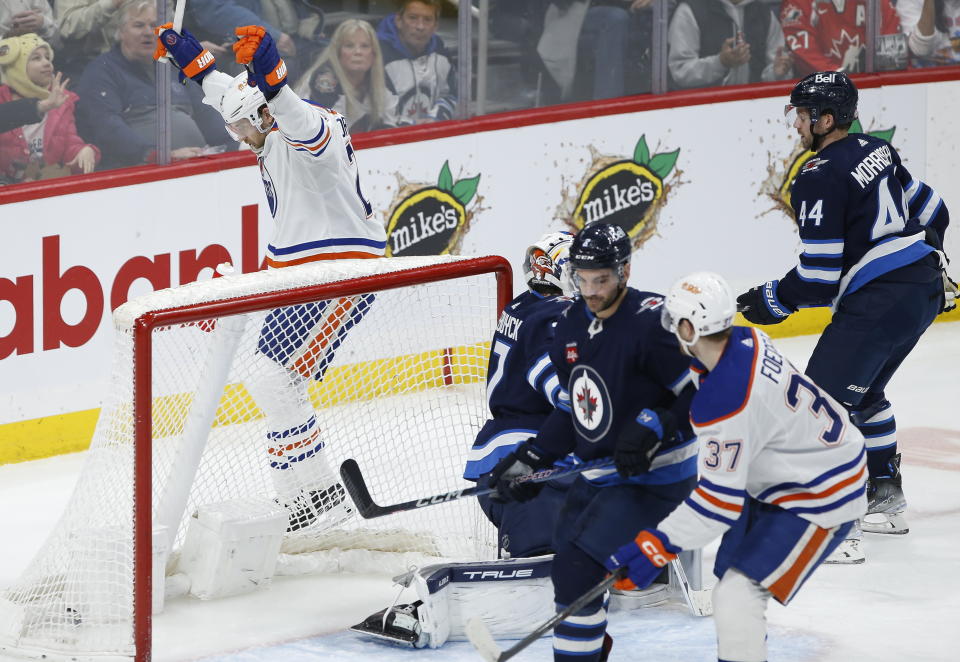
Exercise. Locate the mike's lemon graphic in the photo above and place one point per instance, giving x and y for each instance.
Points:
(430, 220)
(628, 192)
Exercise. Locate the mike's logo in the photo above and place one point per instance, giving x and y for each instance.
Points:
(628, 192)
(782, 172)
(431, 220)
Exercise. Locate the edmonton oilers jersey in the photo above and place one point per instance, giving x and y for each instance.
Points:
(860, 215)
(522, 384)
(612, 369)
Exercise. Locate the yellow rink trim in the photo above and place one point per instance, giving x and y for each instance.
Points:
(68, 433)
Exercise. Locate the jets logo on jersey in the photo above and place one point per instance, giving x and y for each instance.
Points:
(590, 402)
(572, 353)
(268, 188)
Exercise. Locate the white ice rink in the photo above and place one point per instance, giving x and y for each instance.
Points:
(902, 605)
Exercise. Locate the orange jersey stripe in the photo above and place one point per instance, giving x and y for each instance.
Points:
(784, 587)
(347, 255)
(726, 505)
(320, 145)
(305, 364)
(819, 495)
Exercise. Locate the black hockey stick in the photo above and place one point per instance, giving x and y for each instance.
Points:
(357, 487)
(482, 640)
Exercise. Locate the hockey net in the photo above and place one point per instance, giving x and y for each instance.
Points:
(403, 395)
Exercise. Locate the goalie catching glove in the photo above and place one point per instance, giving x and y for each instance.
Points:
(193, 60)
(643, 559)
(256, 50)
(523, 461)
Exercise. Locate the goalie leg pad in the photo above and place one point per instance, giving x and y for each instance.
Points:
(512, 598)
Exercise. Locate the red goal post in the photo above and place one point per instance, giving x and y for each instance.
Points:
(439, 313)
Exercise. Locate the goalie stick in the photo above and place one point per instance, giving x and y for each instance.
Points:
(482, 640)
(357, 487)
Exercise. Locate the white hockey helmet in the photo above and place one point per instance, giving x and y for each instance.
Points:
(242, 101)
(703, 298)
(547, 263)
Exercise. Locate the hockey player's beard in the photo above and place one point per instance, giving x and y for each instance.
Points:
(598, 304)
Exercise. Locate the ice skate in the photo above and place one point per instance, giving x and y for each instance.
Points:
(850, 551)
(886, 503)
(329, 507)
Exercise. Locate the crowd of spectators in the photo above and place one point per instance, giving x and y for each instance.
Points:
(79, 86)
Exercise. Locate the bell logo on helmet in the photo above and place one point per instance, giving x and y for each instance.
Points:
(690, 287)
(825, 77)
(628, 192)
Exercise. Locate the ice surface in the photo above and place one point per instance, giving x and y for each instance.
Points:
(901, 605)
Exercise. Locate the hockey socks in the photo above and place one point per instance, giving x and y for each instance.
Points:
(580, 638)
(879, 428)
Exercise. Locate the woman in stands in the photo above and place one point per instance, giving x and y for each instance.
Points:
(348, 77)
(51, 146)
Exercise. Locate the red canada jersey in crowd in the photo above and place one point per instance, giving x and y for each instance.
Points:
(830, 35)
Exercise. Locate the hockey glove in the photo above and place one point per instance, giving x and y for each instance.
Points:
(760, 304)
(256, 49)
(523, 461)
(193, 60)
(644, 559)
(640, 439)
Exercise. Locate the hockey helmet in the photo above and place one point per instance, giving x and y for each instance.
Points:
(600, 246)
(546, 264)
(704, 299)
(826, 92)
(241, 101)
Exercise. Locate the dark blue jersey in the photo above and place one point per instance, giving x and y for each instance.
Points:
(612, 369)
(522, 384)
(860, 215)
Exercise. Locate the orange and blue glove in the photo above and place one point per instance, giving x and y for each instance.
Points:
(256, 50)
(643, 558)
(193, 60)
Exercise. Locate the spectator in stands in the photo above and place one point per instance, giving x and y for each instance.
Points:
(118, 99)
(726, 42)
(49, 147)
(214, 21)
(87, 29)
(349, 78)
(831, 36)
(586, 45)
(19, 17)
(417, 64)
(933, 30)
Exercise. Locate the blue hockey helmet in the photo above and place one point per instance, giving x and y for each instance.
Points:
(826, 92)
(600, 246)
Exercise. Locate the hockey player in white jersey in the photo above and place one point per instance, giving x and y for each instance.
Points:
(782, 471)
(312, 186)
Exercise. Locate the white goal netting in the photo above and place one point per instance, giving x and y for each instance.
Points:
(238, 415)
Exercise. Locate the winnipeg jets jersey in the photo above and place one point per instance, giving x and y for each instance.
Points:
(310, 178)
(611, 370)
(522, 384)
(829, 35)
(860, 215)
(767, 432)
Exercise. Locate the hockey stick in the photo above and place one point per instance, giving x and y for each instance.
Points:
(482, 640)
(699, 601)
(357, 487)
(177, 22)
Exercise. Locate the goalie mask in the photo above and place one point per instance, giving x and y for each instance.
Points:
(705, 300)
(242, 101)
(546, 264)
